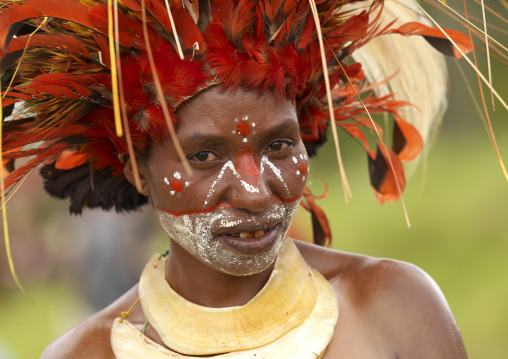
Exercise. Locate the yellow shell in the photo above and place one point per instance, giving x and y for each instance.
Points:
(306, 341)
(284, 303)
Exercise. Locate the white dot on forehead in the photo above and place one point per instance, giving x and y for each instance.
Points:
(166, 180)
(298, 172)
(172, 193)
(301, 156)
(177, 175)
(187, 183)
(294, 159)
(303, 178)
(244, 140)
(233, 132)
(253, 124)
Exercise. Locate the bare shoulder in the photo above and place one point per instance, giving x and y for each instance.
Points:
(394, 301)
(91, 338)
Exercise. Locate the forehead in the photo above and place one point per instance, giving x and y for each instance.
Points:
(218, 107)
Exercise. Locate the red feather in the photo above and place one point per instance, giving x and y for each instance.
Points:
(70, 159)
(63, 9)
(437, 39)
(382, 177)
(64, 42)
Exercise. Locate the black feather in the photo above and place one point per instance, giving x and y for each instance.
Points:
(108, 191)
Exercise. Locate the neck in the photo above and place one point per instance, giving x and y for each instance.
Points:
(202, 285)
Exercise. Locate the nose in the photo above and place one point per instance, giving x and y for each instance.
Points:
(249, 188)
(252, 198)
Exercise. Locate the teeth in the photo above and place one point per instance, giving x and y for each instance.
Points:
(249, 234)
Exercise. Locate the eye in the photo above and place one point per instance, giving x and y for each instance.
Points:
(278, 146)
(204, 156)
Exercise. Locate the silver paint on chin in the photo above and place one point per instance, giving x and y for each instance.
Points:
(194, 233)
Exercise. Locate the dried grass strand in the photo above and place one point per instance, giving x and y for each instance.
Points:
(486, 112)
(128, 138)
(44, 21)
(345, 184)
(173, 27)
(383, 146)
(489, 67)
(160, 93)
(7, 241)
(114, 73)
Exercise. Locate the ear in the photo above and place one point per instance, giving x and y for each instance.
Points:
(129, 172)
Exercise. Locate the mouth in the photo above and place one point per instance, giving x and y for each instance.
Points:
(251, 242)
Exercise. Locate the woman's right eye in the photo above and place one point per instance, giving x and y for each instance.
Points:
(204, 156)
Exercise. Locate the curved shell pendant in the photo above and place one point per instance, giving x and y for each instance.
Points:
(283, 303)
(306, 341)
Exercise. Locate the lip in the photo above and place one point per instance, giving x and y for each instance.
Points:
(251, 246)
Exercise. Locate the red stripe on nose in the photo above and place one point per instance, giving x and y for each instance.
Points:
(247, 168)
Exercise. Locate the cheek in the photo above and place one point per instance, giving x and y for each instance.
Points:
(298, 170)
(174, 190)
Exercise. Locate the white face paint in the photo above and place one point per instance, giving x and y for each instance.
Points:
(202, 234)
(198, 234)
(248, 187)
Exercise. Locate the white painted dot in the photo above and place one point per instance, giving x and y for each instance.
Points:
(301, 156)
(295, 160)
(177, 175)
(253, 124)
(187, 183)
(244, 140)
(233, 132)
(172, 193)
(303, 178)
(298, 172)
(166, 180)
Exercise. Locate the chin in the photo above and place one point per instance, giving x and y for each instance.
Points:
(213, 237)
(228, 261)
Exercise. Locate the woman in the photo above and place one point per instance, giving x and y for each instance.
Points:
(247, 99)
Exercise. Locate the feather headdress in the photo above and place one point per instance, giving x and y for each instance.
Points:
(77, 74)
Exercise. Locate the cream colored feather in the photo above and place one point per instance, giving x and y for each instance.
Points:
(421, 75)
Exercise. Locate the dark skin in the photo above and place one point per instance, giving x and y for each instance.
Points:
(387, 308)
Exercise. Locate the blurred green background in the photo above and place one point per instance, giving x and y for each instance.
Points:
(457, 202)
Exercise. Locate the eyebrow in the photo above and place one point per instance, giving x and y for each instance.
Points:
(205, 139)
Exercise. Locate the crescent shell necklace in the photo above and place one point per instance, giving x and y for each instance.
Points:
(293, 316)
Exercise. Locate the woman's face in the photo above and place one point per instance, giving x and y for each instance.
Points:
(249, 169)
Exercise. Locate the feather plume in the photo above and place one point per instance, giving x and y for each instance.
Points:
(64, 77)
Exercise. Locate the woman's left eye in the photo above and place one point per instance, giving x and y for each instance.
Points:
(278, 146)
